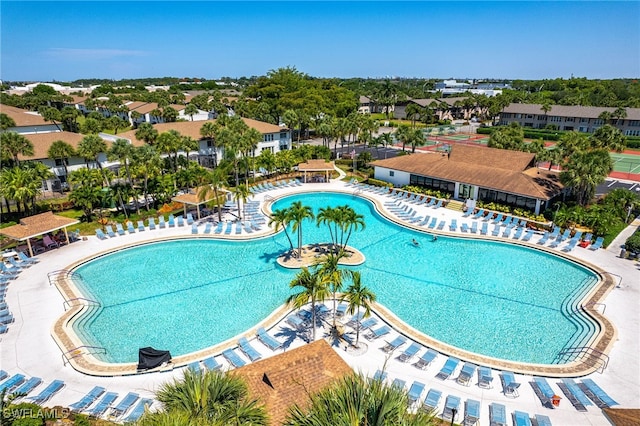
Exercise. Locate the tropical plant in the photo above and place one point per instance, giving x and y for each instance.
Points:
(13, 144)
(328, 267)
(357, 400)
(241, 193)
(312, 287)
(211, 185)
(585, 171)
(279, 218)
(147, 133)
(211, 398)
(90, 147)
(358, 296)
(123, 151)
(298, 213)
(61, 150)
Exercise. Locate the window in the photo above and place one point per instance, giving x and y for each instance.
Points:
(60, 162)
(555, 119)
(584, 120)
(632, 133)
(569, 119)
(268, 137)
(598, 121)
(441, 185)
(634, 123)
(391, 173)
(283, 135)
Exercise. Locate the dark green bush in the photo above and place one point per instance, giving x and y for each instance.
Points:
(633, 242)
(377, 182)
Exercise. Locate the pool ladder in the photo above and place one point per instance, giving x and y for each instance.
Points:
(61, 273)
(89, 302)
(79, 351)
(580, 352)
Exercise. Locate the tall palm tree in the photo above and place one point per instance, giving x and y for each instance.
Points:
(403, 134)
(358, 296)
(357, 400)
(311, 287)
(145, 165)
(208, 131)
(214, 181)
(241, 193)
(329, 268)
(209, 398)
(122, 151)
(298, 213)
(327, 216)
(13, 144)
(170, 142)
(280, 218)
(349, 221)
(147, 133)
(608, 137)
(90, 147)
(6, 122)
(61, 150)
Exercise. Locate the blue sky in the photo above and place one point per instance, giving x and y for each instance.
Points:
(529, 40)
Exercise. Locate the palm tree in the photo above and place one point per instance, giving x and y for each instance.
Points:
(209, 398)
(60, 150)
(147, 133)
(169, 142)
(90, 147)
(280, 218)
(358, 296)
(215, 181)
(412, 110)
(608, 137)
(208, 131)
(191, 110)
(241, 193)
(329, 269)
(349, 221)
(6, 122)
(357, 400)
(416, 138)
(122, 151)
(13, 144)
(386, 139)
(327, 216)
(146, 165)
(297, 215)
(585, 171)
(403, 134)
(312, 287)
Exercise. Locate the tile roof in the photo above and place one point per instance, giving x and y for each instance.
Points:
(316, 165)
(42, 141)
(192, 128)
(497, 169)
(623, 416)
(23, 117)
(283, 380)
(39, 224)
(568, 110)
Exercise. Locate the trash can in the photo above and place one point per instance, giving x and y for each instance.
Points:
(555, 400)
(623, 253)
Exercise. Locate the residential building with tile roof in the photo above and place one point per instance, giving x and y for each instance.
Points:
(28, 122)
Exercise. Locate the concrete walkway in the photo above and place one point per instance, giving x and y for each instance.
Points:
(28, 348)
(618, 242)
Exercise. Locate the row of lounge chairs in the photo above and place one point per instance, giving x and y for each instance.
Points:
(8, 272)
(267, 186)
(98, 403)
(555, 238)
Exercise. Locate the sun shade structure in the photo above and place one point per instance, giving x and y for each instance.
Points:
(40, 224)
(283, 380)
(191, 198)
(149, 358)
(317, 166)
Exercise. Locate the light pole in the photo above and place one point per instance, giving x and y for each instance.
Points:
(453, 415)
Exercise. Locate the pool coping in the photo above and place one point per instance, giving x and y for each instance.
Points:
(85, 362)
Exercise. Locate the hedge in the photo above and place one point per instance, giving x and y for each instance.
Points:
(633, 242)
(377, 182)
(551, 135)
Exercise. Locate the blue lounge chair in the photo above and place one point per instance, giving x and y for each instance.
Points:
(189, 218)
(228, 229)
(518, 233)
(464, 227)
(101, 235)
(368, 323)
(120, 229)
(497, 414)
(138, 410)
(22, 256)
(453, 226)
(268, 340)
(468, 213)
(474, 227)
(570, 245)
(249, 350)
(195, 367)
(341, 309)
(103, 404)
(542, 420)
(415, 391)
(484, 229)
(545, 238)
(109, 230)
(53, 388)
(498, 218)
(588, 237)
(575, 395)
(471, 412)
(467, 372)
(141, 226)
(560, 238)
(295, 321)
(379, 332)
(441, 225)
(543, 390)
(152, 224)
(88, 399)
(398, 383)
(207, 228)
(233, 358)
(507, 231)
(426, 359)
(211, 364)
(597, 244)
(12, 383)
(394, 344)
(3, 375)
(355, 319)
(18, 264)
(509, 384)
(194, 228)
(528, 235)
(433, 223)
(479, 214)
(431, 202)
(432, 400)
(161, 222)
(180, 220)
(596, 394)
(172, 221)
(485, 377)
(451, 407)
(124, 405)
(409, 352)
(380, 375)
(218, 229)
(520, 418)
(130, 228)
(28, 386)
(448, 368)
(438, 204)
(496, 230)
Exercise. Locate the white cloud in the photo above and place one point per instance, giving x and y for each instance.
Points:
(93, 54)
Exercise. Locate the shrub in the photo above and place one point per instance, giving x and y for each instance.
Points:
(378, 182)
(633, 242)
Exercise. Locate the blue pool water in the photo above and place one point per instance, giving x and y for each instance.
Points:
(491, 298)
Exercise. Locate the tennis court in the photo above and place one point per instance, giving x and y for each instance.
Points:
(626, 166)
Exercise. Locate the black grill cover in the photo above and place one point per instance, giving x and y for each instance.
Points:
(151, 358)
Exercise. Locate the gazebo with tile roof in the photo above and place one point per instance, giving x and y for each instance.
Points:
(327, 167)
(40, 224)
(283, 380)
(191, 198)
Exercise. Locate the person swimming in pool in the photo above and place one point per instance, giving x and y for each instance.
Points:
(435, 238)
(415, 243)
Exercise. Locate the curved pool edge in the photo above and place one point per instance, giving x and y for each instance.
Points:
(84, 362)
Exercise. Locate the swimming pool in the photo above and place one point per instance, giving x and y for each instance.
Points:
(495, 299)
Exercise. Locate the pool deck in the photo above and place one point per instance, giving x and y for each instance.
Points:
(28, 346)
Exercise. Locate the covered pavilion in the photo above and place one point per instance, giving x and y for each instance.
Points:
(192, 198)
(37, 225)
(317, 166)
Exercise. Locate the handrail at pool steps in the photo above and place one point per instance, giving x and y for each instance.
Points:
(572, 310)
(81, 299)
(582, 351)
(53, 276)
(79, 351)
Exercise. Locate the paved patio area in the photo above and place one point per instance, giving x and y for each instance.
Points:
(28, 347)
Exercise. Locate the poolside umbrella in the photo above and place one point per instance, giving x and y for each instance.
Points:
(149, 358)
